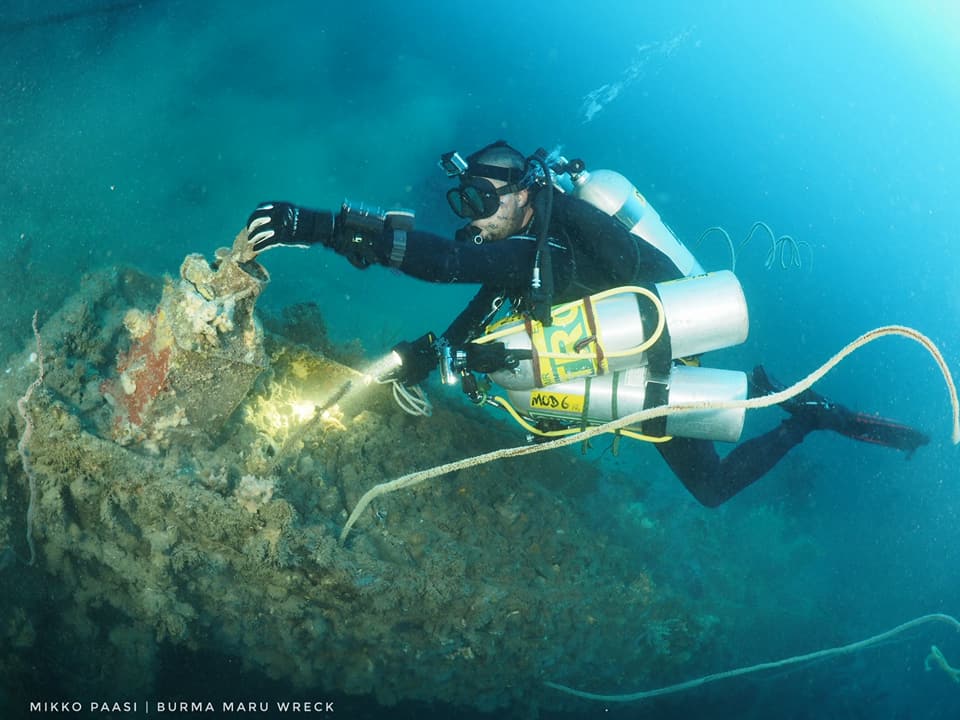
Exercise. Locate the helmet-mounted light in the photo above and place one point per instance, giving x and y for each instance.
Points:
(453, 164)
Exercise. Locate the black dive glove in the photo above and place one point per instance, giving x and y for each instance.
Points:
(280, 223)
(418, 359)
(421, 356)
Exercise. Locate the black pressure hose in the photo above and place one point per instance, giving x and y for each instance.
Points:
(541, 295)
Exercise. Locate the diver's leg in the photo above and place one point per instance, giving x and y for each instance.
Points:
(822, 413)
(713, 480)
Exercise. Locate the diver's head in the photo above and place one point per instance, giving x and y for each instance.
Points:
(493, 193)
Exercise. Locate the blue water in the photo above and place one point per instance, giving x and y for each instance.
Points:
(145, 131)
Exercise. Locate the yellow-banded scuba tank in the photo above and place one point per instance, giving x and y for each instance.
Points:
(629, 337)
(619, 328)
(591, 401)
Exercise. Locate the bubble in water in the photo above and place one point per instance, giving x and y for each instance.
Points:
(644, 62)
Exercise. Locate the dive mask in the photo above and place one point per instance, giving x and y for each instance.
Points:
(477, 197)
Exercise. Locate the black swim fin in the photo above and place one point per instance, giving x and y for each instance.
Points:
(824, 414)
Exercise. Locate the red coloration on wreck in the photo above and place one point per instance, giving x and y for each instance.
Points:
(146, 368)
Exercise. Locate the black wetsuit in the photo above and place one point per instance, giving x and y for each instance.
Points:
(590, 252)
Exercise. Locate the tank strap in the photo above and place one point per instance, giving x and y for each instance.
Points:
(590, 316)
(615, 397)
(657, 394)
(585, 412)
(534, 350)
(659, 363)
(615, 411)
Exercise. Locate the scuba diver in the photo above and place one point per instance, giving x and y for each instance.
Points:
(543, 241)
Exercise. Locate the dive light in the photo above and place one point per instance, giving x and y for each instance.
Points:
(383, 369)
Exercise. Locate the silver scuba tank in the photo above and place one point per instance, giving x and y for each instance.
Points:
(610, 397)
(593, 337)
(615, 195)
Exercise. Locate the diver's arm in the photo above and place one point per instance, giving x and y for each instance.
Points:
(351, 233)
(469, 323)
(505, 263)
(420, 357)
(371, 238)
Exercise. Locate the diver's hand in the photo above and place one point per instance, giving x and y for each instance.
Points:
(418, 358)
(280, 223)
(489, 357)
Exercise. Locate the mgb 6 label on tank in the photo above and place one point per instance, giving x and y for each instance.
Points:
(543, 400)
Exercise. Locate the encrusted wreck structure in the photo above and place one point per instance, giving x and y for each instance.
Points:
(189, 493)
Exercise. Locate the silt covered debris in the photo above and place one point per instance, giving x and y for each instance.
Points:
(189, 494)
